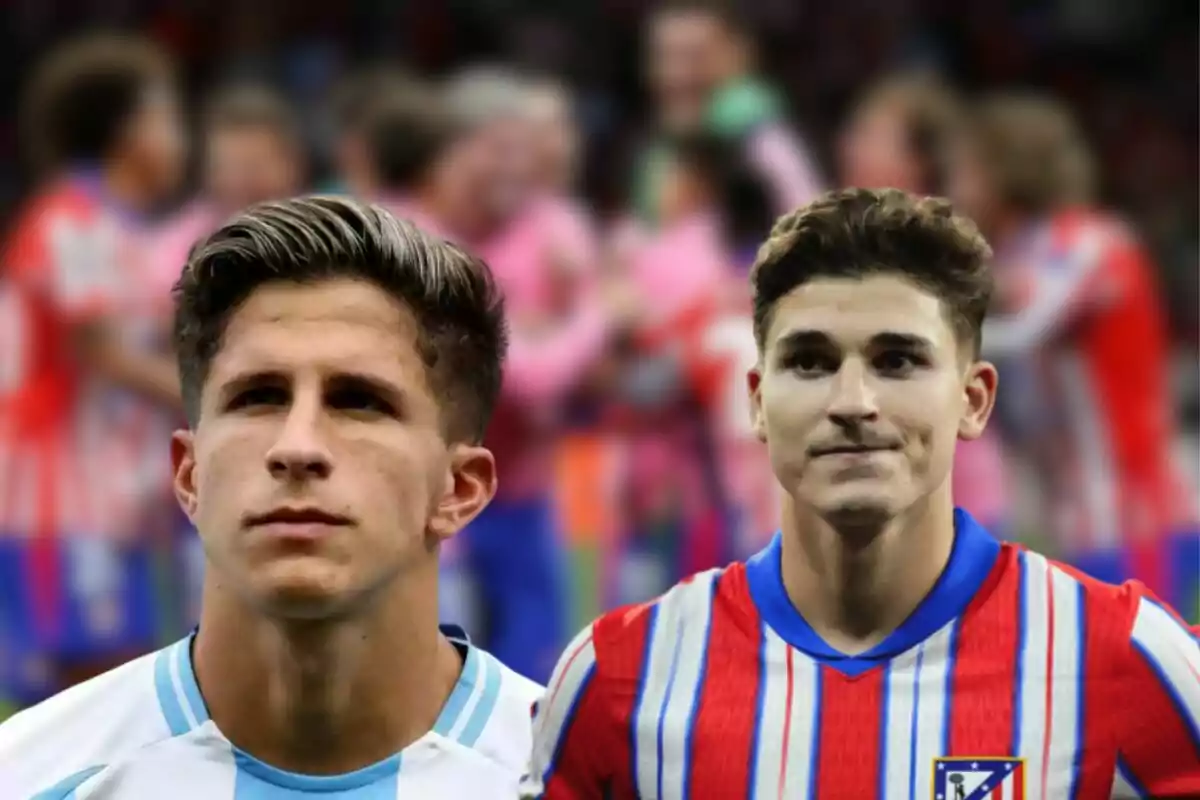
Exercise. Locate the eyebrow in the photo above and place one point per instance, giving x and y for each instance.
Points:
(340, 380)
(805, 339)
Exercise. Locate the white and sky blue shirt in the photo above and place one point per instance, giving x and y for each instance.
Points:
(142, 730)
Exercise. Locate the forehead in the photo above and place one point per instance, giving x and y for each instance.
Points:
(851, 311)
(331, 326)
(685, 28)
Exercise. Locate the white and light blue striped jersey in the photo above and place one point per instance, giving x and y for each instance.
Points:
(142, 731)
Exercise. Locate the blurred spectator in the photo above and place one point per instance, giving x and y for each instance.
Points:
(352, 106)
(81, 432)
(701, 60)
(898, 136)
(1084, 311)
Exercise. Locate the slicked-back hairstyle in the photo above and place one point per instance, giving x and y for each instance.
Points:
(458, 310)
(1034, 151)
(84, 93)
(858, 233)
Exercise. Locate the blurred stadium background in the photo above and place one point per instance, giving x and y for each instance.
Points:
(806, 73)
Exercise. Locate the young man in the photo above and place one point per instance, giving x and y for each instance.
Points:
(1084, 322)
(338, 369)
(85, 397)
(884, 644)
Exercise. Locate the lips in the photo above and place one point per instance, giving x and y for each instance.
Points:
(851, 449)
(298, 516)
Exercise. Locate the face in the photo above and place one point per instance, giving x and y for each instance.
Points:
(690, 55)
(317, 474)
(557, 143)
(875, 151)
(970, 184)
(492, 171)
(861, 394)
(156, 142)
(246, 165)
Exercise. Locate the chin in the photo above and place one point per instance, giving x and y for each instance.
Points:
(299, 591)
(858, 509)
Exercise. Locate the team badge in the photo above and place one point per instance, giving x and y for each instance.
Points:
(969, 778)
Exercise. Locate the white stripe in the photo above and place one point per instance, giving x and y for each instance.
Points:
(774, 713)
(177, 685)
(477, 692)
(803, 733)
(1122, 789)
(695, 601)
(1175, 653)
(1036, 628)
(932, 705)
(660, 661)
(1064, 688)
(1097, 484)
(901, 690)
(565, 685)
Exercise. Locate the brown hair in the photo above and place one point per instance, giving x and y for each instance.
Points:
(83, 95)
(1034, 151)
(931, 115)
(406, 130)
(459, 311)
(855, 233)
(252, 106)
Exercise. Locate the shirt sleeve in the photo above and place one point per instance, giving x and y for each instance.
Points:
(570, 727)
(1158, 715)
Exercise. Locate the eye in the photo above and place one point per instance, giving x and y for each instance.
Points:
(897, 362)
(259, 396)
(811, 363)
(359, 400)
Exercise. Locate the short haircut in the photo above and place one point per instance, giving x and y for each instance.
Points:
(931, 115)
(251, 106)
(356, 96)
(481, 94)
(459, 311)
(729, 13)
(84, 94)
(405, 132)
(857, 233)
(1034, 151)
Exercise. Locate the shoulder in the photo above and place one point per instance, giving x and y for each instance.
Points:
(82, 729)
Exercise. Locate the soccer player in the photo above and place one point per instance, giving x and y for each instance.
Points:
(338, 368)
(884, 644)
(898, 136)
(85, 398)
(1084, 319)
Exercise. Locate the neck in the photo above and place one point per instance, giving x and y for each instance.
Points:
(853, 586)
(328, 696)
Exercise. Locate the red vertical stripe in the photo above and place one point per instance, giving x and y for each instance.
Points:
(621, 642)
(985, 666)
(848, 740)
(723, 735)
(1019, 784)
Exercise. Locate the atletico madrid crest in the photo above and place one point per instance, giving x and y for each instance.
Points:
(970, 778)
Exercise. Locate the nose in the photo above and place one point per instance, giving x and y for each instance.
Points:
(300, 452)
(852, 400)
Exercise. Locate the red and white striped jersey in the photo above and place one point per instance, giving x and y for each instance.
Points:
(1016, 678)
(76, 456)
(1091, 329)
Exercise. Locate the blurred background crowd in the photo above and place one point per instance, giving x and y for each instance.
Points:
(616, 163)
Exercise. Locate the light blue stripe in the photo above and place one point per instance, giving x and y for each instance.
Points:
(187, 679)
(486, 705)
(65, 789)
(460, 695)
(258, 781)
(168, 700)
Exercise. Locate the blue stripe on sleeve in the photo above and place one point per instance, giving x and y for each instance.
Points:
(65, 789)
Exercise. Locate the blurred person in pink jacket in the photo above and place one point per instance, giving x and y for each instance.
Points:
(463, 163)
(897, 137)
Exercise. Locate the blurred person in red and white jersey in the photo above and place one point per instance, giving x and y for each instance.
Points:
(471, 175)
(701, 71)
(897, 137)
(251, 151)
(1082, 307)
(84, 394)
(698, 492)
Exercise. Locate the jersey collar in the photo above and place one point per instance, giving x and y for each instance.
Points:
(971, 560)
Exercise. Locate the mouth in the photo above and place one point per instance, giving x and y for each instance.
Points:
(852, 449)
(298, 517)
